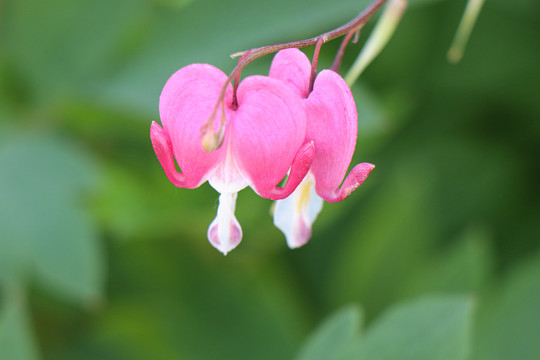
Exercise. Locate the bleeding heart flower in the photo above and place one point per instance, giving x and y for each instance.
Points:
(332, 128)
(264, 138)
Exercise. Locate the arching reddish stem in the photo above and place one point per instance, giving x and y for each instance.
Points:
(315, 62)
(339, 56)
(253, 54)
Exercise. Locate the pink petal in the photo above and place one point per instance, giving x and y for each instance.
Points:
(294, 68)
(186, 102)
(163, 149)
(299, 169)
(332, 126)
(355, 178)
(267, 132)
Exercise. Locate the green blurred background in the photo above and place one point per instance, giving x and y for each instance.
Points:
(102, 258)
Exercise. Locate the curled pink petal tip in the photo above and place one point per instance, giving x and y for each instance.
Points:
(356, 177)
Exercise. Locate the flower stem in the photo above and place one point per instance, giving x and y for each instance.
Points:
(464, 30)
(250, 55)
(314, 63)
(339, 56)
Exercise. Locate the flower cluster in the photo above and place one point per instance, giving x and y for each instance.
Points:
(290, 124)
(275, 126)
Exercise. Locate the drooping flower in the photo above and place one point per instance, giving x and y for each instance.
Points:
(264, 138)
(332, 128)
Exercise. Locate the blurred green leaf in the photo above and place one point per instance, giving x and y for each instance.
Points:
(174, 3)
(436, 328)
(387, 243)
(60, 45)
(463, 266)
(509, 321)
(16, 338)
(69, 258)
(334, 336)
(43, 230)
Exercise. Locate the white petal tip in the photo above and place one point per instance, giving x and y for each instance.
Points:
(297, 235)
(225, 232)
(225, 240)
(295, 241)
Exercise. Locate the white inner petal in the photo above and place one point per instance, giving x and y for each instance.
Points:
(225, 232)
(295, 214)
(226, 177)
